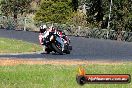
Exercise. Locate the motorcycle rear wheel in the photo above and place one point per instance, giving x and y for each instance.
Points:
(47, 51)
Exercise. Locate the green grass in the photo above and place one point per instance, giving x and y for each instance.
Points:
(50, 76)
(17, 46)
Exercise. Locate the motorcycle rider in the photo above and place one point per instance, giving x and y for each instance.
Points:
(44, 32)
(55, 31)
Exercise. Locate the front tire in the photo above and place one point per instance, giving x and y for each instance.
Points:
(66, 49)
(57, 49)
(67, 52)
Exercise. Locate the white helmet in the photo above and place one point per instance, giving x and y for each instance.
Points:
(44, 26)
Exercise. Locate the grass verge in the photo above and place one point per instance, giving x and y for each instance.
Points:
(17, 46)
(58, 76)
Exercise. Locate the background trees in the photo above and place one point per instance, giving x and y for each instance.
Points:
(14, 12)
(75, 4)
(121, 16)
(15, 7)
(95, 10)
(69, 11)
(57, 11)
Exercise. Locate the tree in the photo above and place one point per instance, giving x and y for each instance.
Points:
(121, 17)
(75, 4)
(37, 1)
(57, 11)
(15, 7)
(78, 19)
(95, 10)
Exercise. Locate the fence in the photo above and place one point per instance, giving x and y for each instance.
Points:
(102, 34)
(95, 32)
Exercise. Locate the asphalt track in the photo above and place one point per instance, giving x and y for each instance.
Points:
(83, 48)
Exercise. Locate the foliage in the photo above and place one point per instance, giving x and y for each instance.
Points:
(95, 11)
(78, 19)
(121, 15)
(121, 18)
(15, 7)
(75, 4)
(65, 11)
(56, 11)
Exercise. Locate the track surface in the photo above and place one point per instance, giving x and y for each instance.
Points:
(83, 48)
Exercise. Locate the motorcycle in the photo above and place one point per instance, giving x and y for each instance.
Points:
(54, 42)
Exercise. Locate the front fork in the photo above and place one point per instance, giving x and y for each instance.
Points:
(61, 42)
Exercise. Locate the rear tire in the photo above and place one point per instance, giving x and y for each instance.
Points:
(67, 52)
(57, 49)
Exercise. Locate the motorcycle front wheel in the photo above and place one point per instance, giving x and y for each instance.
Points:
(57, 49)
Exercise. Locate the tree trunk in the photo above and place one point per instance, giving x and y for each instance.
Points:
(119, 35)
(15, 20)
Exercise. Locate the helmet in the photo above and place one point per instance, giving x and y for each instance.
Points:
(44, 26)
